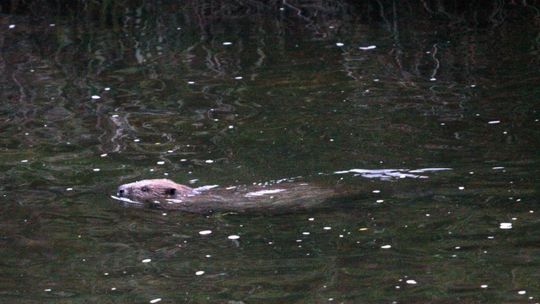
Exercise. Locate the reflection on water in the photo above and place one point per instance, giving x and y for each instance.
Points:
(97, 94)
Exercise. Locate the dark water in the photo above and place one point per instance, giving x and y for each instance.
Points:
(94, 95)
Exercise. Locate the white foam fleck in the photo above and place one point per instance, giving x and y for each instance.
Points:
(156, 300)
(505, 225)
(227, 43)
(305, 233)
(146, 260)
(205, 232)
(327, 228)
(411, 282)
(233, 237)
(311, 219)
(386, 246)
(209, 161)
(340, 44)
(484, 286)
(96, 169)
(367, 48)
(24, 161)
(96, 97)
(494, 122)
(522, 292)
(160, 162)
(238, 77)
(12, 26)
(69, 189)
(200, 272)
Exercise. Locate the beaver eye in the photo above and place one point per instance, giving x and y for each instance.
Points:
(144, 189)
(170, 191)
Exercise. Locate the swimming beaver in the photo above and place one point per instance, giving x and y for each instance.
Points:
(166, 194)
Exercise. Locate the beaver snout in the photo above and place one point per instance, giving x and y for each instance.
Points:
(122, 191)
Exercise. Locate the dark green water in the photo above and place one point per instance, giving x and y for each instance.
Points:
(95, 95)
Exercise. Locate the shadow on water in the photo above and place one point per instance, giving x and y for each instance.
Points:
(371, 98)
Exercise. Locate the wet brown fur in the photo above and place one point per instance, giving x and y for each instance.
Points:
(166, 194)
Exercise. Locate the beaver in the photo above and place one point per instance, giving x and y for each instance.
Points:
(167, 194)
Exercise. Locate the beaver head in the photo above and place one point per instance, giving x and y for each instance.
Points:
(154, 189)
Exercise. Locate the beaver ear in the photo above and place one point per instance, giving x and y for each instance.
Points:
(170, 191)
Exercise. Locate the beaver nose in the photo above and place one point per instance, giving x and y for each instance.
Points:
(121, 191)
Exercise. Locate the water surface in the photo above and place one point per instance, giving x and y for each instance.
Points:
(376, 98)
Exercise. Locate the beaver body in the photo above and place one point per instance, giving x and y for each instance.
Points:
(166, 194)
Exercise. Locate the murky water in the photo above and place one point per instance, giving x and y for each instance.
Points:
(427, 115)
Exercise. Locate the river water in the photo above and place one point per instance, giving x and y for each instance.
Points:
(427, 113)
